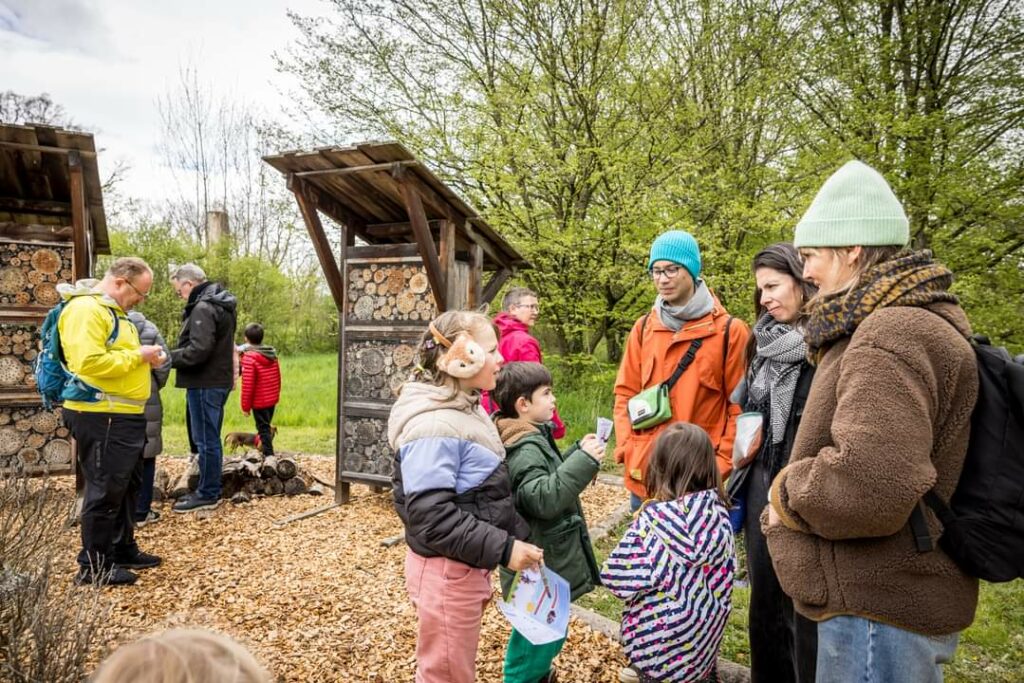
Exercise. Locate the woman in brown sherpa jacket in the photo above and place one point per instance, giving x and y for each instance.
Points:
(887, 419)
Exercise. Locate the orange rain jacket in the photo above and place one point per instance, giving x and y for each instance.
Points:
(701, 396)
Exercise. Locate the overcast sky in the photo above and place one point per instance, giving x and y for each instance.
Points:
(107, 61)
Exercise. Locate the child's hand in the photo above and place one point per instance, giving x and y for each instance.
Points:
(524, 555)
(593, 446)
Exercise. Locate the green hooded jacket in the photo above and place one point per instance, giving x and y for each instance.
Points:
(546, 487)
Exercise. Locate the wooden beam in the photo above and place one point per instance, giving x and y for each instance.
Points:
(35, 232)
(349, 170)
(342, 490)
(387, 230)
(323, 249)
(79, 217)
(46, 149)
(324, 202)
(497, 280)
(428, 252)
(484, 244)
(476, 277)
(447, 260)
(429, 194)
(19, 205)
(304, 515)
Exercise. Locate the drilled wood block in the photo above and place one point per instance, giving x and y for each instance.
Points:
(29, 273)
(366, 446)
(389, 292)
(29, 438)
(19, 346)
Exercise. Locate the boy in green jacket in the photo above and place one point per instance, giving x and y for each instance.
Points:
(546, 486)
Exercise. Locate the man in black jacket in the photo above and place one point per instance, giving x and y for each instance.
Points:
(204, 361)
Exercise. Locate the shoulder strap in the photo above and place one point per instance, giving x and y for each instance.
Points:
(117, 328)
(684, 363)
(725, 354)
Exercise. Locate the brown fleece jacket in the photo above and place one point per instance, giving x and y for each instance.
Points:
(888, 418)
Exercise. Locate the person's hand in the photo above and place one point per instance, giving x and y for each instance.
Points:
(245, 414)
(153, 354)
(773, 516)
(524, 555)
(593, 446)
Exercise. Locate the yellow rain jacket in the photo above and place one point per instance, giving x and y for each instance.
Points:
(118, 371)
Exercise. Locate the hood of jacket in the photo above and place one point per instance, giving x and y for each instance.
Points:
(418, 400)
(665, 518)
(515, 431)
(213, 293)
(86, 287)
(507, 324)
(269, 353)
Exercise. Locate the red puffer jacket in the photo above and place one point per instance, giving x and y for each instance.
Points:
(261, 378)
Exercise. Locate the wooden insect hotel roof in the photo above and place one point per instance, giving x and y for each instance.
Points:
(384, 195)
(50, 189)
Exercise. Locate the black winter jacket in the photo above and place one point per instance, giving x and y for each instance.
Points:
(149, 334)
(206, 346)
(450, 483)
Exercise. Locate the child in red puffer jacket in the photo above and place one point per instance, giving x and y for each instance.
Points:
(261, 384)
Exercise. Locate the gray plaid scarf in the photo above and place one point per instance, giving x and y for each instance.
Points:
(775, 369)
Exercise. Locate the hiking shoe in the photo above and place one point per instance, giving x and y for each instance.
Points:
(115, 576)
(551, 677)
(152, 517)
(193, 503)
(629, 675)
(139, 560)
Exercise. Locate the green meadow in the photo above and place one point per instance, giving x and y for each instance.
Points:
(992, 649)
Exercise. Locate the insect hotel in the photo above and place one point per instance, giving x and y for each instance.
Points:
(409, 249)
(52, 226)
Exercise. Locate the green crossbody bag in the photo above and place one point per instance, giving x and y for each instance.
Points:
(651, 407)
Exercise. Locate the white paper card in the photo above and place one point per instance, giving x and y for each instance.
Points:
(538, 605)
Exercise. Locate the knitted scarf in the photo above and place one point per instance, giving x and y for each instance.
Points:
(775, 370)
(911, 278)
(699, 305)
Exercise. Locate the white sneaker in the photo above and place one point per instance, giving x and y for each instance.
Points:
(151, 518)
(629, 675)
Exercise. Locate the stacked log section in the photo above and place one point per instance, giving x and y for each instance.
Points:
(393, 292)
(376, 369)
(366, 446)
(248, 477)
(33, 439)
(29, 273)
(19, 347)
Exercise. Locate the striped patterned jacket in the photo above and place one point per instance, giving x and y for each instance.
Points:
(674, 568)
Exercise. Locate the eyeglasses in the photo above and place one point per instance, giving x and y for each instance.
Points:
(532, 307)
(668, 271)
(136, 289)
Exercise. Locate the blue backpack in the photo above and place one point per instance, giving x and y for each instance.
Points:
(54, 381)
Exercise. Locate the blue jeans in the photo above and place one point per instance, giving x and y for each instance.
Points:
(635, 502)
(206, 414)
(855, 649)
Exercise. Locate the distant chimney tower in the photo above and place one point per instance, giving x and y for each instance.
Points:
(216, 226)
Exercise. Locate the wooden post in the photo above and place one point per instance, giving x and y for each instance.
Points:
(497, 280)
(447, 249)
(476, 276)
(321, 246)
(420, 229)
(79, 216)
(342, 490)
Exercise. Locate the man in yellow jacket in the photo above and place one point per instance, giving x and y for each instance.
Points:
(111, 431)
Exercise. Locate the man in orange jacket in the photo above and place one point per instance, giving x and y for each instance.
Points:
(684, 311)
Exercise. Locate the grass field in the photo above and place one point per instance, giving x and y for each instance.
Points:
(992, 649)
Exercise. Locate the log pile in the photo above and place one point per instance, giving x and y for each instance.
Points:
(29, 273)
(376, 369)
(389, 291)
(32, 438)
(19, 344)
(248, 477)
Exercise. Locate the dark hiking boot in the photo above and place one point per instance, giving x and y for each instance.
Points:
(139, 560)
(115, 576)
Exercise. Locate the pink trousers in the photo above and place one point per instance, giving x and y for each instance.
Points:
(449, 598)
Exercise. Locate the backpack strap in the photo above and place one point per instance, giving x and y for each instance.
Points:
(725, 354)
(919, 525)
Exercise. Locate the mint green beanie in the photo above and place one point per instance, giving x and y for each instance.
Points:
(855, 207)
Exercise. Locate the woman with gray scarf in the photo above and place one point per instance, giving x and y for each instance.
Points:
(783, 644)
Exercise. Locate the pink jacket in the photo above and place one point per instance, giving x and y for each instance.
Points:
(517, 344)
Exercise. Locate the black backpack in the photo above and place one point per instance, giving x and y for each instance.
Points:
(983, 523)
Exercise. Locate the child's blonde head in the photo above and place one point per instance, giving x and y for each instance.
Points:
(683, 461)
(449, 325)
(182, 656)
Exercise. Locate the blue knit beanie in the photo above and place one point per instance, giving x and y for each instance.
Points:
(679, 247)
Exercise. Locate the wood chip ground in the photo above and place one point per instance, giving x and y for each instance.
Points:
(316, 600)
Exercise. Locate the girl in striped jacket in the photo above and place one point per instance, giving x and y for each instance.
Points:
(674, 567)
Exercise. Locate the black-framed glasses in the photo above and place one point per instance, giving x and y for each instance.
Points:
(136, 289)
(668, 271)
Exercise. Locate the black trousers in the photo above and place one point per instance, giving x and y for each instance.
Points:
(110, 450)
(783, 644)
(263, 417)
